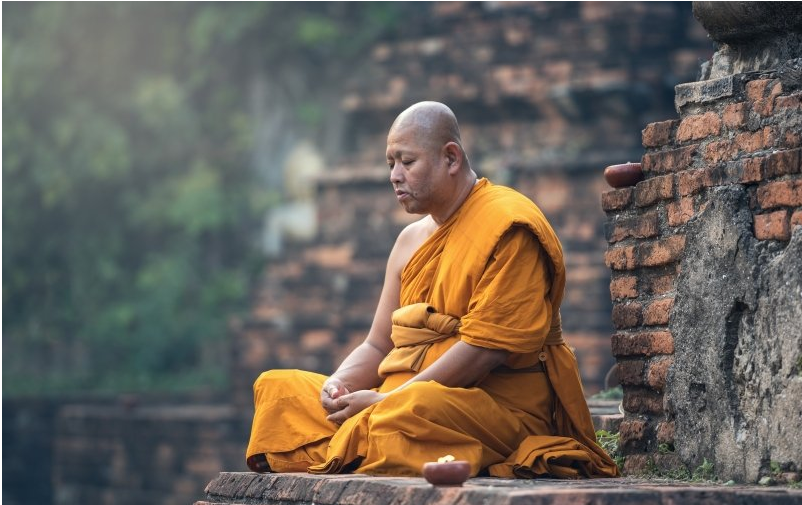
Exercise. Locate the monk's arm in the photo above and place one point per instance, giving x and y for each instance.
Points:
(359, 371)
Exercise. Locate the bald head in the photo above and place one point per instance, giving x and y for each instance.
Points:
(433, 124)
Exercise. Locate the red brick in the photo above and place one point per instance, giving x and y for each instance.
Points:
(646, 343)
(792, 139)
(640, 226)
(627, 315)
(784, 163)
(719, 150)
(630, 372)
(636, 464)
(734, 115)
(660, 285)
(789, 102)
(680, 212)
(616, 199)
(770, 137)
(755, 90)
(749, 141)
(663, 162)
(690, 181)
(652, 190)
(656, 376)
(776, 194)
(699, 127)
(796, 219)
(661, 252)
(643, 401)
(772, 226)
(620, 258)
(665, 432)
(631, 430)
(752, 170)
(658, 134)
(624, 286)
(765, 106)
(657, 312)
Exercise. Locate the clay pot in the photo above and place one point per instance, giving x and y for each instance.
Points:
(621, 176)
(453, 473)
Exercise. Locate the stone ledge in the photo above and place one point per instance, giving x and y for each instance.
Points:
(304, 489)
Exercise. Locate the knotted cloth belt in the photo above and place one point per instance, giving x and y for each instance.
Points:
(417, 326)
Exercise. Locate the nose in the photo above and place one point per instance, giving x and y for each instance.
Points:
(396, 173)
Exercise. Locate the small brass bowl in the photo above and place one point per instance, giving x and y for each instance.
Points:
(453, 473)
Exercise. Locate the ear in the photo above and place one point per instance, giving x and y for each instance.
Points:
(453, 156)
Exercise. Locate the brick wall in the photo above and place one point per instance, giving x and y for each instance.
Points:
(547, 95)
(739, 130)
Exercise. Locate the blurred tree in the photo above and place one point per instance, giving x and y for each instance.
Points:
(131, 199)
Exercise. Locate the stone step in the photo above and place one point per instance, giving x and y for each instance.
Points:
(304, 489)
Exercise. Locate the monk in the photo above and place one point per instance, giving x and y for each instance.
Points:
(465, 355)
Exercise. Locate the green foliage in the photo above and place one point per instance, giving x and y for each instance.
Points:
(704, 472)
(130, 200)
(609, 442)
(665, 448)
(614, 393)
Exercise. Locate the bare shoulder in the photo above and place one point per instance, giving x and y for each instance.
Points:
(409, 240)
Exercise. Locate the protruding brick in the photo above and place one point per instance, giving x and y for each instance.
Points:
(789, 102)
(624, 286)
(752, 170)
(661, 252)
(690, 181)
(749, 142)
(664, 162)
(657, 312)
(652, 190)
(680, 212)
(616, 199)
(780, 193)
(646, 343)
(784, 163)
(643, 401)
(630, 372)
(656, 376)
(658, 134)
(627, 315)
(755, 90)
(765, 106)
(639, 226)
(772, 226)
(665, 432)
(699, 127)
(719, 150)
(734, 115)
(620, 258)
(631, 430)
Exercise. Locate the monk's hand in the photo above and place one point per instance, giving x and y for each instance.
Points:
(354, 403)
(332, 389)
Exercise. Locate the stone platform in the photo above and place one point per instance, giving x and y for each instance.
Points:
(304, 489)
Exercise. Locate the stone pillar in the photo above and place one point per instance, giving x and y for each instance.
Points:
(706, 260)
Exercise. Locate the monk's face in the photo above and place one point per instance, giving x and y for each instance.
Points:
(418, 171)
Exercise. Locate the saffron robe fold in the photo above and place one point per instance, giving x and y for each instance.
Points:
(495, 272)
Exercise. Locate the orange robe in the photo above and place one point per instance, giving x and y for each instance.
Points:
(496, 268)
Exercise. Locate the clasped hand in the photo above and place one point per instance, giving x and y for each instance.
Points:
(342, 404)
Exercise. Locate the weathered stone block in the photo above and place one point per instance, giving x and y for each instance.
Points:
(734, 386)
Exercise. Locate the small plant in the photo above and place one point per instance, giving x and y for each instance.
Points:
(615, 393)
(665, 448)
(775, 468)
(609, 442)
(705, 471)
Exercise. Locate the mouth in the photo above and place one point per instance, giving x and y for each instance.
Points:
(401, 195)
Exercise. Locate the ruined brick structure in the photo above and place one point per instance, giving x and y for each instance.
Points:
(706, 255)
(547, 95)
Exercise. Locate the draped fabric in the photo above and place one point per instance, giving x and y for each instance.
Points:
(492, 276)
